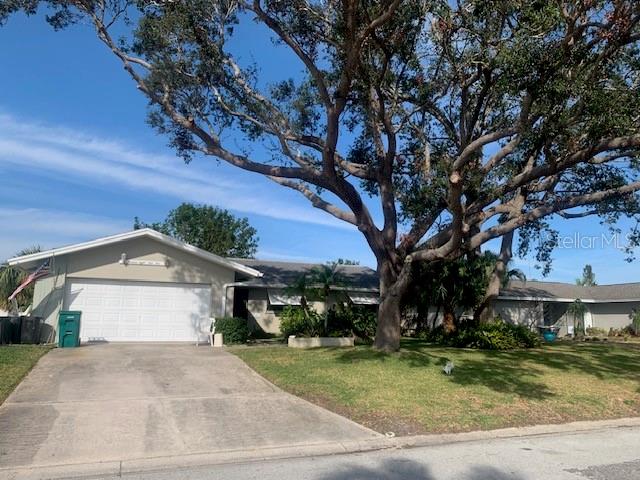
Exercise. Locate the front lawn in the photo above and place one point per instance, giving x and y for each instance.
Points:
(407, 392)
(15, 362)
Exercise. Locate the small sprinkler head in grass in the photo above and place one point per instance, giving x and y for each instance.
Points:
(448, 368)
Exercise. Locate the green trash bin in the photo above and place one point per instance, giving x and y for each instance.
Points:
(69, 329)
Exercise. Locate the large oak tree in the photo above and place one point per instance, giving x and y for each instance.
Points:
(465, 120)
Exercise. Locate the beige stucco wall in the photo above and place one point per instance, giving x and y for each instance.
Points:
(262, 315)
(48, 296)
(603, 315)
(612, 315)
(103, 263)
(519, 312)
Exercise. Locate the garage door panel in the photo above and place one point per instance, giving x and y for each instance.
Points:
(140, 311)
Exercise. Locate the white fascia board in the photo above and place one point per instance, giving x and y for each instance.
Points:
(144, 232)
(568, 300)
(545, 299)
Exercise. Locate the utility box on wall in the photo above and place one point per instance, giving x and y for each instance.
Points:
(69, 329)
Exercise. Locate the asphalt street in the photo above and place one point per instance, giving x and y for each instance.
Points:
(607, 454)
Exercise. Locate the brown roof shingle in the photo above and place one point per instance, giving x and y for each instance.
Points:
(558, 290)
(283, 274)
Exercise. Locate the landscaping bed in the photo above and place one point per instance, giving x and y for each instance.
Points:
(15, 362)
(408, 393)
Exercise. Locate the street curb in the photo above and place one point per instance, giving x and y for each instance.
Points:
(147, 465)
(514, 432)
(201, 460)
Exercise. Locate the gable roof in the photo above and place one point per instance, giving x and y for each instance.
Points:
(278, 274)
(566, 292)
(29, 260)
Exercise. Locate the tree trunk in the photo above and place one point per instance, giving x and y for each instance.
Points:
(483, 312)
(389, 328)
(449, 320)
(392, 289)
(434, 322)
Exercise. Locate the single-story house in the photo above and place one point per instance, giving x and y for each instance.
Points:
(145, 286)
(534, 303)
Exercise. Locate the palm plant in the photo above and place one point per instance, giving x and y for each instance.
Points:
(324, 277)
(509, 273)
(301, 287)
(318, 282)
(577, 309)
(11, 277)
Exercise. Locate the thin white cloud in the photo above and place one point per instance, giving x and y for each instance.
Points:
(77, 155)
(274, 255)
(24, 227)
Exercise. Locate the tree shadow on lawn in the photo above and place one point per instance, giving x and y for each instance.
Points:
(519, 372)
(605, 362)
(403, 469)
(415, 358)
(505, 377)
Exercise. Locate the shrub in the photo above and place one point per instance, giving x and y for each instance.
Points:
(233, 330)
(627, 331)
(595, 331)
(292, 321)
(295, 321)
(347, 320)
(635, 321)
(495, 335)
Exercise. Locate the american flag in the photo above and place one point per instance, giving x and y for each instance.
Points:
(41, 271)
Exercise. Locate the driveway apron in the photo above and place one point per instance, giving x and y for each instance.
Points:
(116, 402)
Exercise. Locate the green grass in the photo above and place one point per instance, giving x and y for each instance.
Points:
(15, 362)
(407, 392)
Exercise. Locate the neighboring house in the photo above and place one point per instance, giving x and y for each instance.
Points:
(535, 303)
(146, 286)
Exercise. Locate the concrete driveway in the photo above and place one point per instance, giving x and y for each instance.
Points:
(117, 402)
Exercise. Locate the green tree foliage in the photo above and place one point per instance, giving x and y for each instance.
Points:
(449, 287)
(11, 278)
(462, 120)
(454, 286)
(588, 277)
(209, 228)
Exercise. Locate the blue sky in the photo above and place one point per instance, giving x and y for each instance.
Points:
(78, 161)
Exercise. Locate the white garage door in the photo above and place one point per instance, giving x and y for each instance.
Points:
(120, 311)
